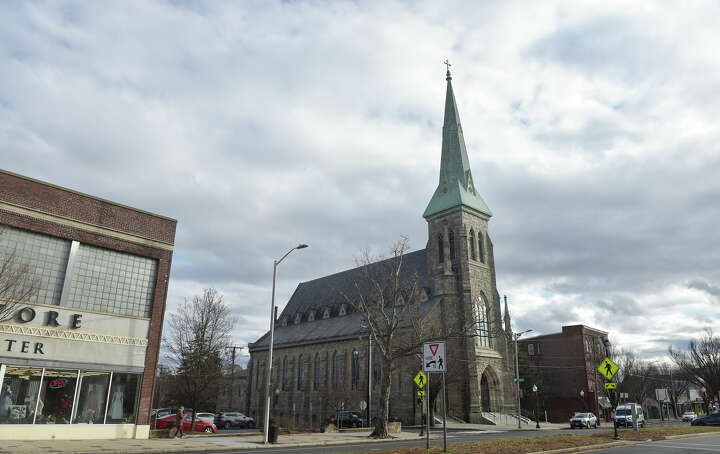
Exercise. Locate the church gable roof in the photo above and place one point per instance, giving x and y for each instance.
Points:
(327, 292)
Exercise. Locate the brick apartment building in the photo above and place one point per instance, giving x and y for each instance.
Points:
(567, 364)
(78, 356)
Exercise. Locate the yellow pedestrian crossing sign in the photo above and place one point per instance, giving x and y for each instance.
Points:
(420, 380)
(611, 385)
(608, 368)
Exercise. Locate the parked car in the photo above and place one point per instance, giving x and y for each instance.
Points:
(229, 419)
(713, 419)
(583, 421)
(624, 415)
(200, 425)
(689, 416)
(349, 419)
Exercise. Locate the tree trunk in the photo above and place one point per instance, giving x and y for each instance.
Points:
(381, 422)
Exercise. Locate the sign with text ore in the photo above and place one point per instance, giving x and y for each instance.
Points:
(434, 357)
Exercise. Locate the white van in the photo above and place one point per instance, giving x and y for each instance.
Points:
(624, 415)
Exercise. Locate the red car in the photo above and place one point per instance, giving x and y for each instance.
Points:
(200, 425)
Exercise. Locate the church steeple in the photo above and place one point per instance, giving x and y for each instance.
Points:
(456, 187)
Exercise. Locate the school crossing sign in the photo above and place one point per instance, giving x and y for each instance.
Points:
(434, 357)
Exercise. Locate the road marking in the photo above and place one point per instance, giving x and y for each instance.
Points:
(659, 445)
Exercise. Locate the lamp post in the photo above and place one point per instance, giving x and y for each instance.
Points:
(517, 373)
(272, 338)
(582, 398)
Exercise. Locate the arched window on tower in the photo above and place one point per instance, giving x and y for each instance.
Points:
(355, 369)
(472, 244)
(300, 373)
(284, 373)
(451, 241)
(441, 249)
(335, 370)
(481, 248)
(481, 319)
(316, 371)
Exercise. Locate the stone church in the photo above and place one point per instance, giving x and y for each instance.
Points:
(323, 361)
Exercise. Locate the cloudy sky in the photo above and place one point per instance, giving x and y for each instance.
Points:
(592, 131)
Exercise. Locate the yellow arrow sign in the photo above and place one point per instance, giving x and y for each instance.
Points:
(611, 385)
(420, 380)
(608, 368)
(421, 393)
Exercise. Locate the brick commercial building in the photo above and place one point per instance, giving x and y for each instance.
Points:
(566, 364)
(321, 361)
(78, 354)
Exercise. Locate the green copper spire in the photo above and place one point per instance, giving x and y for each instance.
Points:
(456, 187)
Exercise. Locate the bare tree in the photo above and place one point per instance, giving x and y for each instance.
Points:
(199, 334)
(387, 298)
(18, 282)
(701, 363)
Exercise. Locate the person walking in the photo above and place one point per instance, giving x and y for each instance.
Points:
(180, 415)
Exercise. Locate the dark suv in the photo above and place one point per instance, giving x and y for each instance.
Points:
(347, 419)
(229, 419)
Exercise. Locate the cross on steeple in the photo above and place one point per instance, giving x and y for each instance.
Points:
(447, 63)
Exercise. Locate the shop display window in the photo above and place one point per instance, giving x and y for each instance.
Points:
(124, 393)
(57, 393)
(19, 393)
(92, 394)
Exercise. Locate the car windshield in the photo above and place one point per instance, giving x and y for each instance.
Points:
(581, 415)
(623, 411)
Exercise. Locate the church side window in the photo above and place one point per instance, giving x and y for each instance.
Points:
(300, 372)
(472, 244)
(441, 249)
(284, 373)
(335, 370)
(316, 376)
(481, 248)
(451, 241)
(481, 320)
(355, 369)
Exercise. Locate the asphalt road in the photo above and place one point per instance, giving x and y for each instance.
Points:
(436, 440)
(697, 445)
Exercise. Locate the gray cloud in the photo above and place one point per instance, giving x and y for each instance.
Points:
(592, 136)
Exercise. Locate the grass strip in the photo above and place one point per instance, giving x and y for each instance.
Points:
(551, 442)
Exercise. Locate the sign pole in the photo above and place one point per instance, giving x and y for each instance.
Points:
(427, 415)
(444, 414)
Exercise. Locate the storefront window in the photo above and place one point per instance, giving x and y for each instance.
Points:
(57, 393)
(91, 398)
(20, 388)
(124, 392)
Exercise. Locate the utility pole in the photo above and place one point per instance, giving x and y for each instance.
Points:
(232, 376)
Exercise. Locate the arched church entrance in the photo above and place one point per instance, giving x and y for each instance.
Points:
(484, 393)
(489, 391)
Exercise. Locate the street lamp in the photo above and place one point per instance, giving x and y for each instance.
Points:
(582, 398)
(537, 406)
(272, 338)
(517, 372)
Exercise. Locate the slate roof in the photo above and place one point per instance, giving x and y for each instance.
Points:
(327, 292)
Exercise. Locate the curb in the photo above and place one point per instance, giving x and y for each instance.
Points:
(701, 434)
(588, 448)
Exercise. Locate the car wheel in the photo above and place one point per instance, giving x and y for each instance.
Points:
(208, 429)
(251, 425)
(227, 425)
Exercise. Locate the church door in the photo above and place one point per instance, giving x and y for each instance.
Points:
(485, 393)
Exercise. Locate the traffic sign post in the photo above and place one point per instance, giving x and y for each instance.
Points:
(434, 360)
(611, 385)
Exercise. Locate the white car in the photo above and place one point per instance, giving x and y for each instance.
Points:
(689, 416)
(207, 417)
(583, 421)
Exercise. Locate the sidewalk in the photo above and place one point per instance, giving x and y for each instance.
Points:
(188, 444)
(505, 427)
